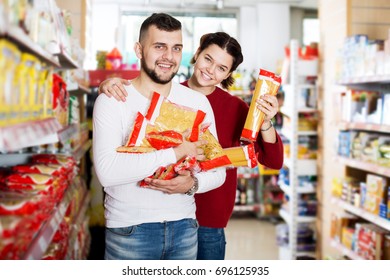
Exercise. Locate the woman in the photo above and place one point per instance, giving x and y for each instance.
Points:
(214, 62)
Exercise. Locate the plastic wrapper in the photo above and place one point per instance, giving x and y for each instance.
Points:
(27, 178)
(166, 115)
(213, 152)
(242, 156)
(267, 83)
(169, 172)
(164, 139)
(135, 150)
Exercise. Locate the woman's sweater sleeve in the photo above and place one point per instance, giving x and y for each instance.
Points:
(114, 168)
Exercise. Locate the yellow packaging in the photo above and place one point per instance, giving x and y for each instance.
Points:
(267, 83)
(46, 91)
(29, 85)
(9, 59)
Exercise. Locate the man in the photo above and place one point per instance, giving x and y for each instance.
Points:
(156, 222)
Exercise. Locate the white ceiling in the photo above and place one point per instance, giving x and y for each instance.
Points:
(310, 4)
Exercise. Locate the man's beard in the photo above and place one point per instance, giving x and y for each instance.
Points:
(153, 75)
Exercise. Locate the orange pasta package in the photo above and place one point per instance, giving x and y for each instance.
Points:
(267, 83)
(242, 156)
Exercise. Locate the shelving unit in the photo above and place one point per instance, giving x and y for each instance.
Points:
(297, 70)
(360, 167)
(270, 194)
(15, 139)
(247, 196)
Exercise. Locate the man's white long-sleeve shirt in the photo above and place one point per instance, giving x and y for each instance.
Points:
(126, 203)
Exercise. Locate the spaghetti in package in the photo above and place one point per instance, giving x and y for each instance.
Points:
(166, 173)
(267, 83)
(163, 126)
(242, 156)
(213, 151)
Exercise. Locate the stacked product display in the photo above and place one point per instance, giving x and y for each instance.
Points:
(363, 232)
(298, 178)
(43, 137)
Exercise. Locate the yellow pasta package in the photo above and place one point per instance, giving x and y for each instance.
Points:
(242, 155)
(166, 115)
(212, 150)
(267, 83)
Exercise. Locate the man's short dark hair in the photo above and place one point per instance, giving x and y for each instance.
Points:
(162, 21)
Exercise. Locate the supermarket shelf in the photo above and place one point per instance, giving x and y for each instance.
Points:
(288, 133)
(304, 166)
(365, 80)
(364, 126)
(68, 132)
(247, 176)
(44, 236)
(383, 223)
(300, 189)
(300, 219)
(25, 43)
(28, 134)
(345, 251)
(66, 61)
(79, 90)
(285, 253)
(251, 207)
(367, 166)
(80, 152)
(78, 221)
(286, 110)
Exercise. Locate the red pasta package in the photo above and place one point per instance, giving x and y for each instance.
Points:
(171, 171)
(164, 139)
(27, 178)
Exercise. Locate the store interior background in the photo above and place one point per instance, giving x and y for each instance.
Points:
(264, 29)
(116, 24)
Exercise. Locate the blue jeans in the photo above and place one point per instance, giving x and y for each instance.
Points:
(211, 243)
(176, 240)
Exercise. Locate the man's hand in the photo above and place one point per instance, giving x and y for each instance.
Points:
(114, 87)
(188, 148)
(180, 184)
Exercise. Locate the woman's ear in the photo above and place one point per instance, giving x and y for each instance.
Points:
(138, 50)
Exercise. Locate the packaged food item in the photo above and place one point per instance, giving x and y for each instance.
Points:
(267, 83)
(169, 172)
(164, 139)
(213, 152)
(136, 150)
(242, 155)
(166, 115)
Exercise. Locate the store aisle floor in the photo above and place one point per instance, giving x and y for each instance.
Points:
(249, 238)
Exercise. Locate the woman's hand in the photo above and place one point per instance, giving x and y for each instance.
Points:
(114, 87)
(269, 105)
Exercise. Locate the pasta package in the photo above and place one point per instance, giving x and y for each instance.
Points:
(242, 156)
(171, 171)
(164, 124)
(166, 115)
(267, 83)
(213, 152)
